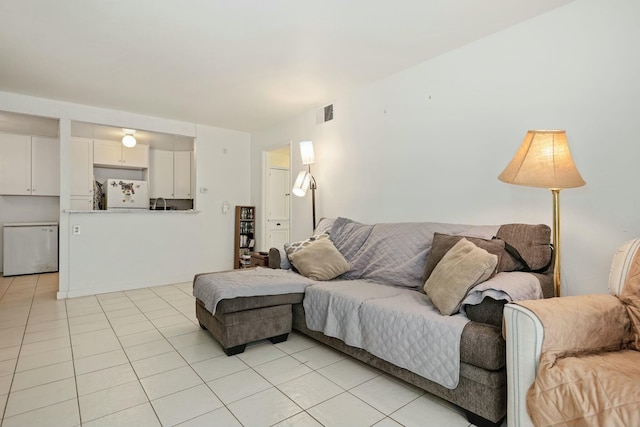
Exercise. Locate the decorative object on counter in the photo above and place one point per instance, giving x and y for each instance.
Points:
(128, 140)
(98, 196)
(305, 180)
(544, 160)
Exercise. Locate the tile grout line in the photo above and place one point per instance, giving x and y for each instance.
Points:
(24, 334)
(73, 363)
(128, 359)
(166, 339)
(15, 367)
(224, 405)
(177, 350)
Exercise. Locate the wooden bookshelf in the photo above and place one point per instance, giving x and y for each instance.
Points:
(244, 236)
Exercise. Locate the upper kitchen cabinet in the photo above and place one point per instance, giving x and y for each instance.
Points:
(170, 175)
(112, 154)
(182, 175)
(81, 174)
(30, 165)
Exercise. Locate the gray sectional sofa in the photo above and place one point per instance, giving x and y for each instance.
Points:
(378, 312)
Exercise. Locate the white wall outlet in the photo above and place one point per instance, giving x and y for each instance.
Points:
(204, 190)
(76, 229)
(225, 207)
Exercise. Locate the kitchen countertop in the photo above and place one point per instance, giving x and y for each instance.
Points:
(134, 211)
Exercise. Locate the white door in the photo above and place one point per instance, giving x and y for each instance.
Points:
(278, 196)
(107, 153)
(15, 164)
(81, 167)
(135, 157)
(45, 167)
(182, 175)
(160, 174)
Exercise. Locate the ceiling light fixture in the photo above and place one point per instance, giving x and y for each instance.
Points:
(128, 140)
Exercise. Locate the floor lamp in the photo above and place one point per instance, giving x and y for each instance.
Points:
(544, 160)
(305, 180)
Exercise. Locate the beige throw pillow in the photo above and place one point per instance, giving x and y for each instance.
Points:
(319, 260)
(462, 267)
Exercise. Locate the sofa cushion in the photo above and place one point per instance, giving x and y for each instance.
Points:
(489, 311)
(393, 254)
(464, 266)
(443, 242)
(531, 241)
(324, 225)
(319, 260)
(291, 248)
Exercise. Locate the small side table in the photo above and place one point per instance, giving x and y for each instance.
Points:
(259, 260)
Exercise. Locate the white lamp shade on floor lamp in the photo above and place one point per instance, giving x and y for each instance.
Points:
(305, 180)
(302, 183)
(544, 160)
(306, 152)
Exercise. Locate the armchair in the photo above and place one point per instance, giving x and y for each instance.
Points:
(580, 351)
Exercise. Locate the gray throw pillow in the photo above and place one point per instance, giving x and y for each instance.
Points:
(442, 243)
(531, 241)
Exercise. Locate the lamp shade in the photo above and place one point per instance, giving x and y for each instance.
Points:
(543, 160)
(306, 152)
(302, 183)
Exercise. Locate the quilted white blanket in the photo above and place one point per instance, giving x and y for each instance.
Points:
(396, 324)
(213, 287)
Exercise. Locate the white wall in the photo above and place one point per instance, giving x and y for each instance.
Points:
(125, 251)
(428, 144)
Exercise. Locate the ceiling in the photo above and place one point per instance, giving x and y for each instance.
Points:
(238, 64)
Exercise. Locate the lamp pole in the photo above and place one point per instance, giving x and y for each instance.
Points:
(313, 187)
(556, 241)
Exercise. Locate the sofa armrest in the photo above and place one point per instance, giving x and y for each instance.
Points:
(558, 327)
(524, 335)
(581, 324)
(274, 258)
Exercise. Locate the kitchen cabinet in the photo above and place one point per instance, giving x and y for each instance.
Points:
(30, 165)
(81, 174)
(81, 203)
(170, 174)
(182, 175)
(112, 154)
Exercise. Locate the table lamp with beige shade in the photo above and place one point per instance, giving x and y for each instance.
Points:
(544, 160)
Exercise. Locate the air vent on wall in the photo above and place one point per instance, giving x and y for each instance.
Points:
(324, 114)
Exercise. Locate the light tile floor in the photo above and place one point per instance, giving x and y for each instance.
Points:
(139, 358)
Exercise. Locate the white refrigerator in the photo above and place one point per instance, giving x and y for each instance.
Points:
(126, 194)
(29, 248)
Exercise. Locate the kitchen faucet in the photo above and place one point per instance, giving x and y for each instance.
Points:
(156, 201)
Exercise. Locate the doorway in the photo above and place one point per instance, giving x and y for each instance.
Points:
(277, 178)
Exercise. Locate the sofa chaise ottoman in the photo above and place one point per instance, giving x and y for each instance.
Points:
(387, 268)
